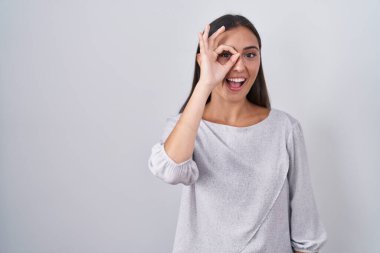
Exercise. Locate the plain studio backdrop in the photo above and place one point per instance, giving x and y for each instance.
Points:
(86, 86)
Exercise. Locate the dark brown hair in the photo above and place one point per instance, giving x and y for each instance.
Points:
(258, 94)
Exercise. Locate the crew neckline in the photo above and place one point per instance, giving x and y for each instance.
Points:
(244, 127)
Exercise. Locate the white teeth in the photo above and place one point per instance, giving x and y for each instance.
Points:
(236, 80)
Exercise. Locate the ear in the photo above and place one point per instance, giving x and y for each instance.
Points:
(199, 59)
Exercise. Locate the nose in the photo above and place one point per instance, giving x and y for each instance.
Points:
(239, 64)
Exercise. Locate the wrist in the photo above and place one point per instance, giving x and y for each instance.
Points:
(200, 94)
(204, 87)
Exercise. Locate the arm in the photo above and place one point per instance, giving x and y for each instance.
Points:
(171, 158)
(307, 231)
(180, 143)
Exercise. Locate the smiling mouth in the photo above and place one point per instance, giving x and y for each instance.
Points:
(236, 82)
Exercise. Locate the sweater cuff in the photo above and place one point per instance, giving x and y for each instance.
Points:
(310, 246)
(163, 167)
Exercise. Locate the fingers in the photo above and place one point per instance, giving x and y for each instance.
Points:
(231, 61)
(215, 35)
(234, 58)
(222, 48)
(201, 43)
(206, 42)
(203, 39)
(205, 36)
(219, 31)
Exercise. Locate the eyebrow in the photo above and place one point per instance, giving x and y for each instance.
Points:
(246, 48)
(250, 47)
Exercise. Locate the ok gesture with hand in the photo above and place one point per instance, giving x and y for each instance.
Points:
(212, 71)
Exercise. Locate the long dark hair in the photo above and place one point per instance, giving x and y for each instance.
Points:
(258, 94)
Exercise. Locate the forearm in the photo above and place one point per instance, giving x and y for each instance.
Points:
(180, 143)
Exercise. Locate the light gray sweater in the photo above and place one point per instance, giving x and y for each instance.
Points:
(245, 189)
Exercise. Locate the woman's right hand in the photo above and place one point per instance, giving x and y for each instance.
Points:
(213, 72)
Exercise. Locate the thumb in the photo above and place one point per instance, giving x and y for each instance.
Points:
(232, 60)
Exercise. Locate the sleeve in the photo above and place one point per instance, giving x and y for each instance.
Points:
(163, 167)
(306, 228)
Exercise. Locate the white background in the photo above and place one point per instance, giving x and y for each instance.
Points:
(86, 86)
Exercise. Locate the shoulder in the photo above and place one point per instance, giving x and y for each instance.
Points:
(284, 118)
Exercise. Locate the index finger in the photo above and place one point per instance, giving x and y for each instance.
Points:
(223, 47)
(215, 35)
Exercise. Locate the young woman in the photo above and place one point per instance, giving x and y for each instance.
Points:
(243, 165)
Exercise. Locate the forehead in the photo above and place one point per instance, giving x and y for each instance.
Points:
(239, 38)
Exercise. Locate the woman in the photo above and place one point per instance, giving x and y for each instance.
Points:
(243, 164)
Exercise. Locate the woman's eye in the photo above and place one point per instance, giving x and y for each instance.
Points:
(251, 55)
(225, 55)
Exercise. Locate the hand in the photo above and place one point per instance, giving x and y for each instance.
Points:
(212, 71)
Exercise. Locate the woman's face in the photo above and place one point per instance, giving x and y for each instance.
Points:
(246, 67)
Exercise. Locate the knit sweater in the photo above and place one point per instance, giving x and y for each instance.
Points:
(245, 189)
